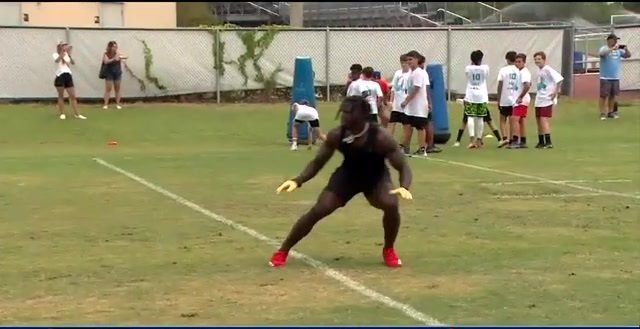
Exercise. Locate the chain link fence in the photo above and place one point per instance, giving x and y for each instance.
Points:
(216, 62)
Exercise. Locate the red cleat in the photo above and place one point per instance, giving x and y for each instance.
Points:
(391, 258)
(279, 258)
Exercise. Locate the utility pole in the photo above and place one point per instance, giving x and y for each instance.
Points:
(296, 14)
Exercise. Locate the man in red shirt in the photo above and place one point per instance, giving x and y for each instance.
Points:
(384, 85)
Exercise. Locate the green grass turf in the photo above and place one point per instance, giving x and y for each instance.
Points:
(83, 244)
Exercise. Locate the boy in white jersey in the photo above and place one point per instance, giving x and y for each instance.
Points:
(508, 85)
(521, 107)
(548, 88)
(398, 93)
(305, 114)
(476, 97)
(370, 90)
(416, 105)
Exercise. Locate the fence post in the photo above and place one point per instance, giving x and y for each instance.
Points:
(326, 63)
(449, 63)
(218, 61)
(568, 60)
(67, 35)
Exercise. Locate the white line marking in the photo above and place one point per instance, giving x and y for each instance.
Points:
(550, 195)
(530, 177)
(558, 181)
(345, 280)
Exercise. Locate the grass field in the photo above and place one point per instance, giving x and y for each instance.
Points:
(81, 243)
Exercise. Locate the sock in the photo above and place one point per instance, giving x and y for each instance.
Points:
(471, 127)
(523, 140)
(541, 139)
(497, 134)
(547, 139)
(514, 139)
(460, 132)
(479, 126)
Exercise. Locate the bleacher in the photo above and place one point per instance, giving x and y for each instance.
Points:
(322, 14)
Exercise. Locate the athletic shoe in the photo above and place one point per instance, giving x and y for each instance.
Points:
(539, 146)
(503, 143)
(391, 258)
(279, 258)
(434, 149)
(62, 116)
(456, 144)
(421, 152)
(548, 146)
(80, 116)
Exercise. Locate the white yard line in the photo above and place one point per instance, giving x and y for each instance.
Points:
(408, 310)
(550, 195)
(558, 181)
(531, 177)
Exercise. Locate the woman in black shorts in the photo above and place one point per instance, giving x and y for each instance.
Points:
(64, 80)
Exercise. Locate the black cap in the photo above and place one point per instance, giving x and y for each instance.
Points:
(612, 36)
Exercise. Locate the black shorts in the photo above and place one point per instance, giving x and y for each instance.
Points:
(429, 117)
(609, 88)
(313, 123)
(415, 122)
(506, 110)
(64, 80)
(486, 118)
(396, 117)
(373, 117)
(345, 184)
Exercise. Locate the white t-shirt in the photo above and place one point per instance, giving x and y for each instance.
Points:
(369, 89)
(60, 66)
(548, 79)
(305, 112)
(477, 84)
(418, 106)
(525, 76)
(399, 89)
(509, 76)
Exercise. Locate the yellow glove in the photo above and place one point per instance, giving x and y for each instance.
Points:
(288, 186)
(403, 192)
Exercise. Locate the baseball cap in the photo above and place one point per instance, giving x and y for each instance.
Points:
(377, 74)
(612, 36)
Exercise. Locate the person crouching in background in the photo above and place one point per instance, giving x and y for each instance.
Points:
(64, 81)
(111, 72)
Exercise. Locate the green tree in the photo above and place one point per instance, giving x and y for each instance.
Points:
(193, 14)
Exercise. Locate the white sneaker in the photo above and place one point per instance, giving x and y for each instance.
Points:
(62, 116)
(456, 144)
(81, 117)
(294, 147)
(118, 107)
(106, 107)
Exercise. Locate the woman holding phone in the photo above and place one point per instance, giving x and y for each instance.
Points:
(112, 73)
(64, 81)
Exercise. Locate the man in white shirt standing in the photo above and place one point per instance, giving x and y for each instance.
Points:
(507, 94)
(369, 89)
(520, 109)
(398, 93)
(476, 97)
(416, 105)
(548, 89)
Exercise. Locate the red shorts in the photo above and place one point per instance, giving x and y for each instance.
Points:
(520, 111)
(544, 111)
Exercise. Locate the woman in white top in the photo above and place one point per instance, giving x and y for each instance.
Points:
(64, 80)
